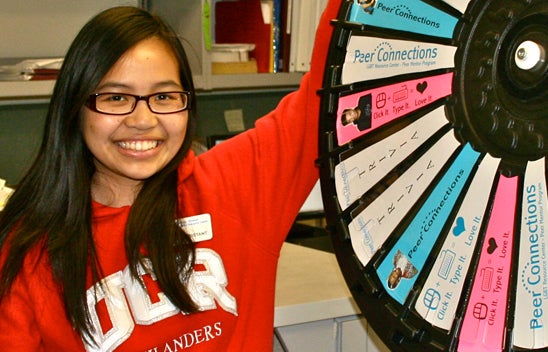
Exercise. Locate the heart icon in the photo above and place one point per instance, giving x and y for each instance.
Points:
(421, 87)
(492, 245)
(459, 227)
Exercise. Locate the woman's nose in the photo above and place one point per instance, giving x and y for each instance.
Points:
(141, 117)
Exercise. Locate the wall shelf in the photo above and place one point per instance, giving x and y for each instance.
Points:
(25, 92)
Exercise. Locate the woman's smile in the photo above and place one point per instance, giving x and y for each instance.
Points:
(138, 146)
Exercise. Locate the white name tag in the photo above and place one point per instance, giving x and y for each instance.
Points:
(198, 227)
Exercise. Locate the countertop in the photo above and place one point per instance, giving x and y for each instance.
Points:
(310, 287)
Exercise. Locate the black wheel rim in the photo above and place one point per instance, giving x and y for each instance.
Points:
(432, 164)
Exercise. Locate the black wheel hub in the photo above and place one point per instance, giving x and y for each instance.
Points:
(499, 101)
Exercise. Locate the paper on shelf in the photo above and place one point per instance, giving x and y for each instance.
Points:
(5, 192)
(30, 69)
(231, 52)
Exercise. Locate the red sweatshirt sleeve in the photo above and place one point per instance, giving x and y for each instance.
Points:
(27, 312)
(17, 318)
(268, 171)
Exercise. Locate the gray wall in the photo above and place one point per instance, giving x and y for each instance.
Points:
(20, 134)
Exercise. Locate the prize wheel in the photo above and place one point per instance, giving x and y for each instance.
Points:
(433, 145)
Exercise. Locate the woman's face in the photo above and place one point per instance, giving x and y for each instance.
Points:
(131, 148)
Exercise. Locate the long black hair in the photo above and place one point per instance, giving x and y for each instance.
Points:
(51, 207)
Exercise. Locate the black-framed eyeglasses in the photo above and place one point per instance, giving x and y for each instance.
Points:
(124, 103)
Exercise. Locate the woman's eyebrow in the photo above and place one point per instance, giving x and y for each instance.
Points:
(156, 86)
(116, 85)
(168, 83)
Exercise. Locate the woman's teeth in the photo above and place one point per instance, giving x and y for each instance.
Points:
(138, 145)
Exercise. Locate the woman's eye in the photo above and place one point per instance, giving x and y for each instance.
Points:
(117, 98)
(109, 98)
(164, 96)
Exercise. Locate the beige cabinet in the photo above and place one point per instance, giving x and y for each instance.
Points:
(315, 311)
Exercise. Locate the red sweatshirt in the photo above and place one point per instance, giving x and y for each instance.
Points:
(239, 201)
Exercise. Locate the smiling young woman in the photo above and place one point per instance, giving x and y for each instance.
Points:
(119, 237)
